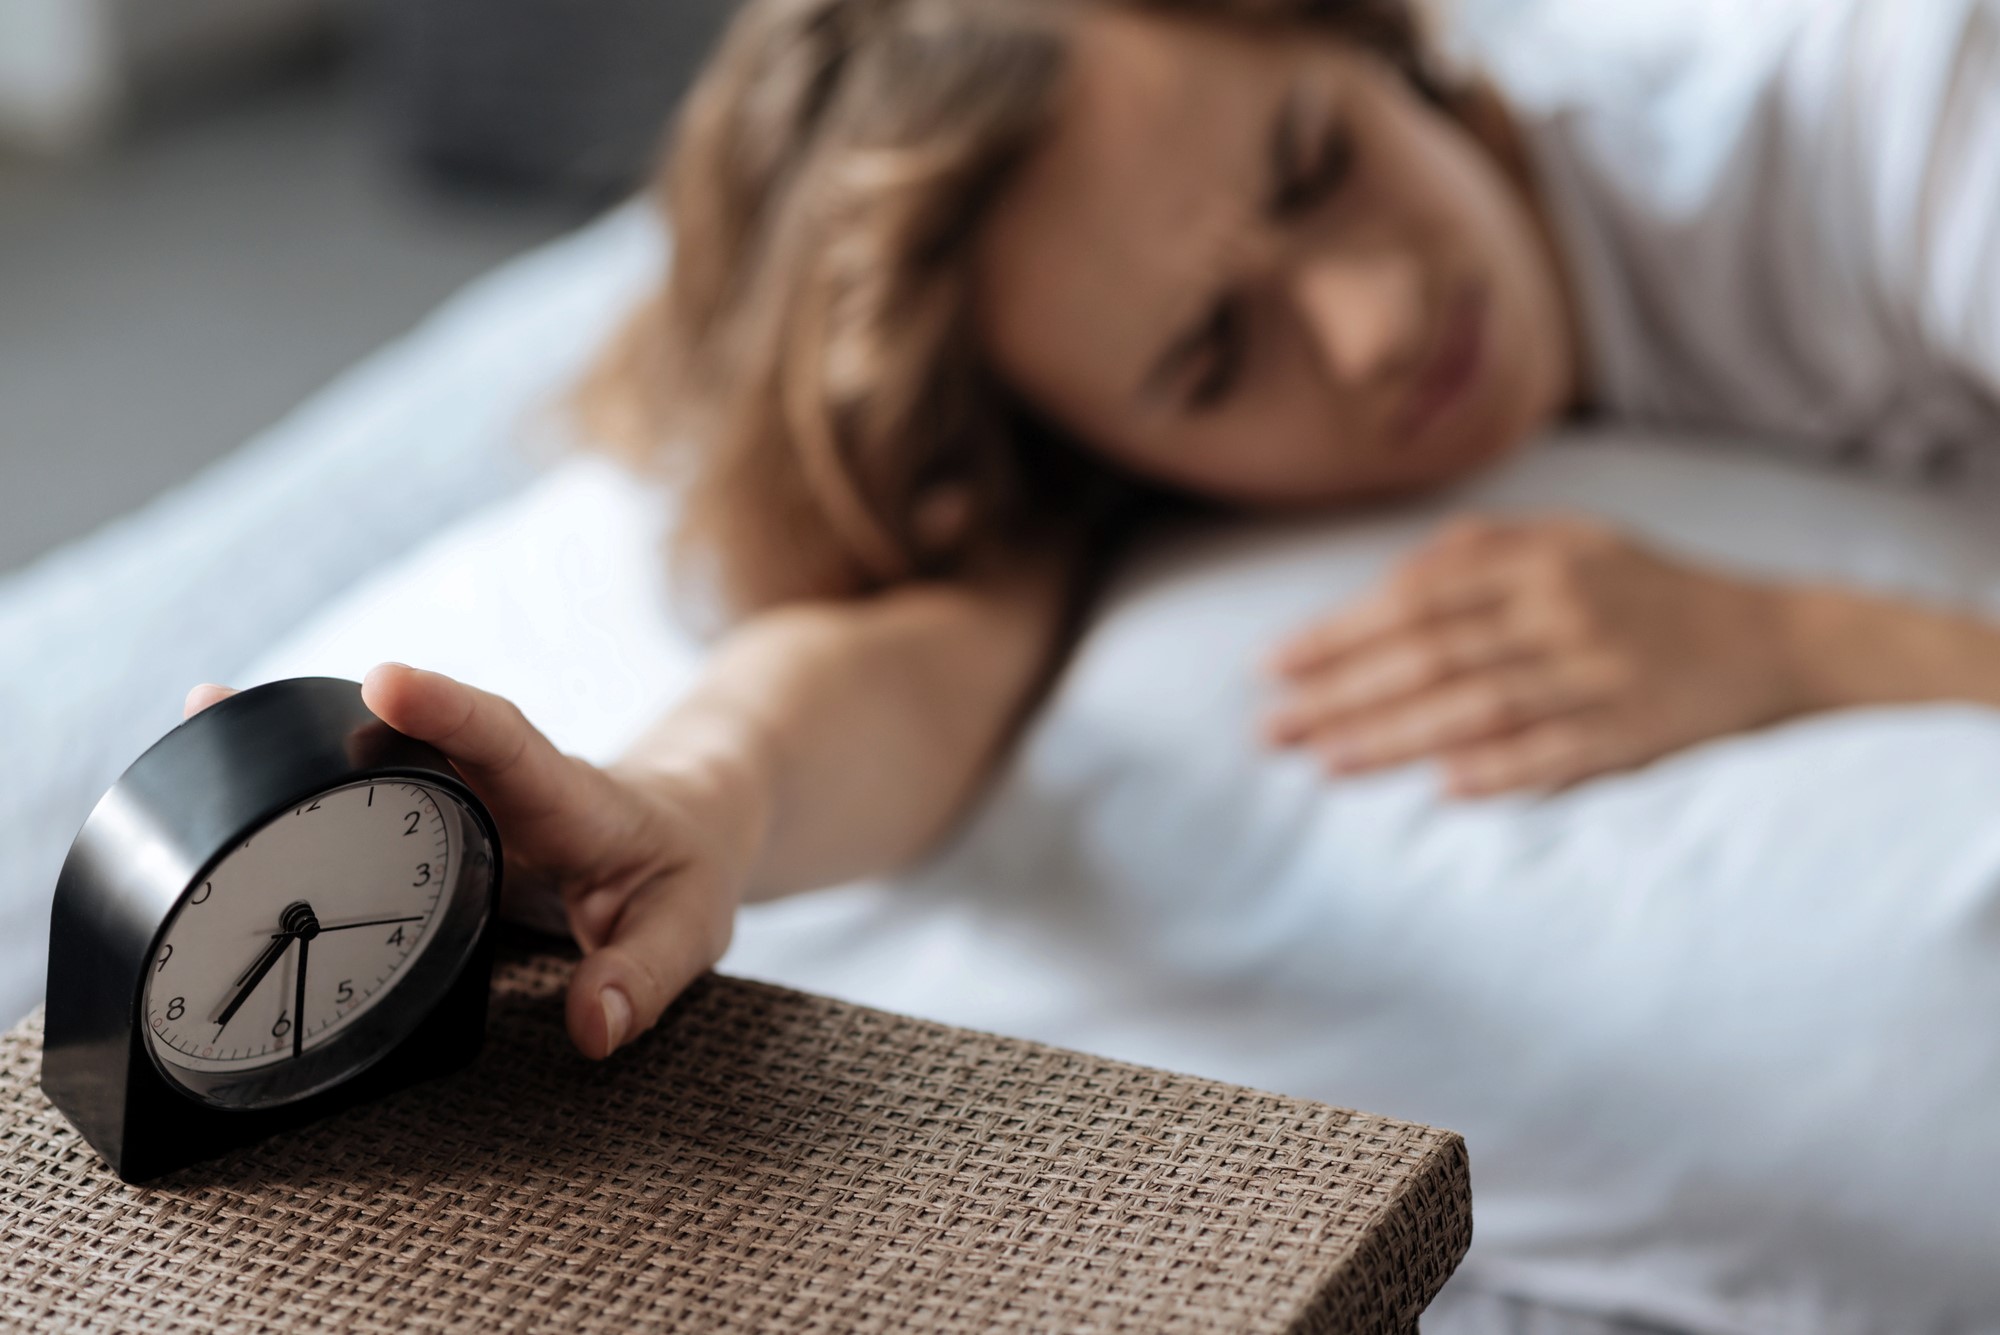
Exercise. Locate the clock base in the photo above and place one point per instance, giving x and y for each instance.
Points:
(148, 1128)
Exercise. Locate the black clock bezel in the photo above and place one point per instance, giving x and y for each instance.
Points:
(177, 811)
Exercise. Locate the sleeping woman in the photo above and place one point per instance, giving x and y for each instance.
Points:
(966, 292)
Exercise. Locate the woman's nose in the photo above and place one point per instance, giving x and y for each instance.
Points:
(1363, 311)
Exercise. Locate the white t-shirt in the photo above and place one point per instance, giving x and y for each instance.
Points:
(1781, 218)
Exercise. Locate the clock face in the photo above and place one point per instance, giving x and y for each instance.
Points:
(316, 943)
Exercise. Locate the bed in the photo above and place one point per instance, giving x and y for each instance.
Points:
(1721, 1034)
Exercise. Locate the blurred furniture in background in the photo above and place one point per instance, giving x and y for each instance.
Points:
(222, 203)
(70, 70)
(545, 95)
(564, 96)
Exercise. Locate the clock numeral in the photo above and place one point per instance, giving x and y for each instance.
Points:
(177, 1008)
(396, 939)
(423, 874)
(207, 888)
(412, 818)
(282, 1027)
(166, 953)
(371, 794)
(345, 992)
(303, 810)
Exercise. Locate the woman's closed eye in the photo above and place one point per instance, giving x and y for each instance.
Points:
(1312, 156)
(1221, 358)
(1308, 166)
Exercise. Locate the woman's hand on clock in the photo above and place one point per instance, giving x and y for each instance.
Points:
(650, 866)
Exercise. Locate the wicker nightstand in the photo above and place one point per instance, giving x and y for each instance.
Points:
(765, 1161)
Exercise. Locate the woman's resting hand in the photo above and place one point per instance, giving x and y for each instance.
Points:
(1535, 654)
(650, 863)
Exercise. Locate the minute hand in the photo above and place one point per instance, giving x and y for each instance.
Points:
(372, 922)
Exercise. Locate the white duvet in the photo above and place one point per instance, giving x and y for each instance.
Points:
(1723, 1035)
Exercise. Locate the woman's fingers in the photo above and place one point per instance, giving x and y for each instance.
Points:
(645, 948)
(478, 730)
(1460, 713)
(1460, 570)
(1412, 600)
(1552, 754)
(557, 814)
(1393, 669)
(486, 737)
(202, 696)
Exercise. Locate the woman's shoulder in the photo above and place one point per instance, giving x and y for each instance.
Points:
(1778, 214)
(1840, 94)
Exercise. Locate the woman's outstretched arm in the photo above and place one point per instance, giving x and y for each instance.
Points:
(823, 742)
(865, 728)
(1850, 647)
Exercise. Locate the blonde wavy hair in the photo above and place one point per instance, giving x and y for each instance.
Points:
(808, 369)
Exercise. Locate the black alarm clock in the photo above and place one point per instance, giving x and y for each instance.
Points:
(282, 908)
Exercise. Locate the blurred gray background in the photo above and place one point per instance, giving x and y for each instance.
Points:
(210, 208)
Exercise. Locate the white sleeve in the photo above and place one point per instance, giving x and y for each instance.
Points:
(1922, 129)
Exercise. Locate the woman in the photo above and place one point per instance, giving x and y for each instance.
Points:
(964, 289)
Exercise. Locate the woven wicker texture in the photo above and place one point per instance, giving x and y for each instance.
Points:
(766, 1160)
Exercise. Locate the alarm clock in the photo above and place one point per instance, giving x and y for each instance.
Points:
(282, 908)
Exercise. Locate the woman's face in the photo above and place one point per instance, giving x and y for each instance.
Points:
(1257, 265)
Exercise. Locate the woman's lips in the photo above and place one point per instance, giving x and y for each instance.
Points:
(1457, 355)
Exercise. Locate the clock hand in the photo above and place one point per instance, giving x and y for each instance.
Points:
(298, 922)
(372, 922)
(271, 955)
(277, 946)
(279, 940)
(299, 998)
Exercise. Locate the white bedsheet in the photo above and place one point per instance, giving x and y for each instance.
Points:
(1721, 1034)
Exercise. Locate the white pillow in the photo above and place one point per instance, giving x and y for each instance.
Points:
(1723, 1035)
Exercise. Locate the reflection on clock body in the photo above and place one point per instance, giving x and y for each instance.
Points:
(347, 888)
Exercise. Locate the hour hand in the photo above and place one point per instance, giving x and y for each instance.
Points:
(253, 976)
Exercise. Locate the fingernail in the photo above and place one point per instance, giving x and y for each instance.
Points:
(617, 1016)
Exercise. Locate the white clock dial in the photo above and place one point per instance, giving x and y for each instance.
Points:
(347, 889)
